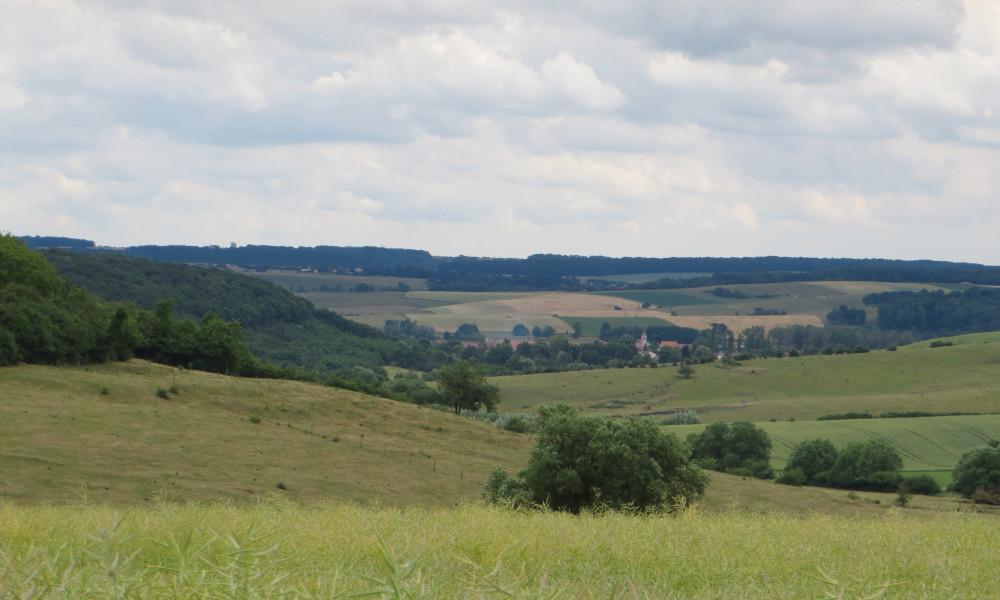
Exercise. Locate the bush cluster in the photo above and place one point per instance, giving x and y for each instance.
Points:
(741, 449)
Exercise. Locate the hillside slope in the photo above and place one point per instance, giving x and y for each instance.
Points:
(279, 326)
(63, 440)
(963, 377)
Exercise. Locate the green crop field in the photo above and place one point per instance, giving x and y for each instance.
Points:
(591, 326)
(963, 378)
(817, 298)
(281, 550)
(927, 444)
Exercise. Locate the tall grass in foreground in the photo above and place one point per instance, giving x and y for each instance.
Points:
(288, 551)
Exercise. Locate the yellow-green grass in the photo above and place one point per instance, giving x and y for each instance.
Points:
(351, 303)
(925, 443)
(667, 298)
(61, 440)
(337, 551)
(960, 378)
(958, 340)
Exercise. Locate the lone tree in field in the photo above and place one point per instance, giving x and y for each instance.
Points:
(463, 385)
(583, 461)
(977, 474)
(685, 370)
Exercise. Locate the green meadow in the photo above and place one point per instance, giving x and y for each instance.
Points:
(927, 444)
(959, 378)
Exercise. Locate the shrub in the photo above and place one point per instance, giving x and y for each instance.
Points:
(871, 465)
(925, 485)
(681, 417)
(742, 445)
(500, 488)
(845, 416)
(162, 393)
(812, 457)
(978, 471)
(254, 419)
(104, 391)
(792, 477)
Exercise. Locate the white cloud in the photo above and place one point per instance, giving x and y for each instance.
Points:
(544, 126)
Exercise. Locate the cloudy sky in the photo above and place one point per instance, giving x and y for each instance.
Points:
(856, 128)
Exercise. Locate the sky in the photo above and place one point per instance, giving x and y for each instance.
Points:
(657, 128)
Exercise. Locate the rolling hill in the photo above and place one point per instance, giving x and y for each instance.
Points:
(105, 434)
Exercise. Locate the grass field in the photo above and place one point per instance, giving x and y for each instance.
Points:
(62, 440)
(283, 550)
(383, 303)
(311, 282)
(963, 378)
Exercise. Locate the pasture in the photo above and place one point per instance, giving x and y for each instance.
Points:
(962, 378)
(277, 549)
(218, 438)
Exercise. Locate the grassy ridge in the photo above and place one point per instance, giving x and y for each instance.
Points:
(282, 550)
(62, 440)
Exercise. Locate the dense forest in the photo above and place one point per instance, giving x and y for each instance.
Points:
(279, 326)
(938, 314)
(45, 319)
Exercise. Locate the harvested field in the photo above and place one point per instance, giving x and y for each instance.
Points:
(739, 323)
(562, 304)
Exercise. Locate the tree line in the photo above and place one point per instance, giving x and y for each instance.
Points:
(551, 271)
(583, 463)
(938, 313)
